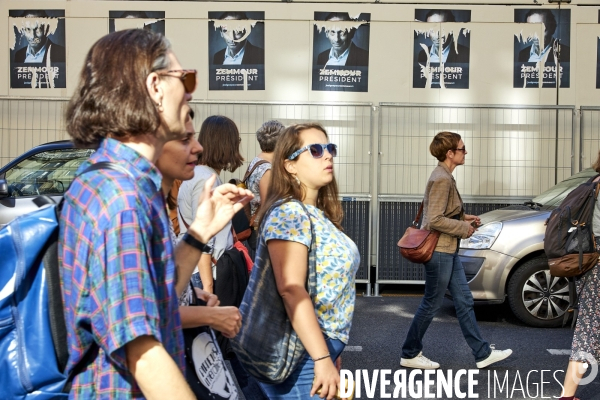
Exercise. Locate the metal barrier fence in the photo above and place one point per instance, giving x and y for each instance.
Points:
(589, 136)
(513, 153)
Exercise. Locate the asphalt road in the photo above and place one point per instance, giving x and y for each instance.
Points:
(535, 370)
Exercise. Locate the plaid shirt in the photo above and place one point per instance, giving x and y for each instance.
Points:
(118, 274)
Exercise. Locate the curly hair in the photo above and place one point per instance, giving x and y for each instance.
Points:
(267, 135)
(111, 97)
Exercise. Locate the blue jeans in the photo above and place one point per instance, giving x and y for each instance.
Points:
(297, 386)
(445, 271)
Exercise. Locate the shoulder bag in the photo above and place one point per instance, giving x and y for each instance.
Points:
(417, 245)
(267, 345)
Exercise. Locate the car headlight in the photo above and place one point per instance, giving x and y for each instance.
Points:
(484, 237)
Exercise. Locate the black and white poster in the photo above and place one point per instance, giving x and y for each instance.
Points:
(537, 59)
(341, 52)
(236, 50)
(441, 56)
(150, 20)
(37, 49)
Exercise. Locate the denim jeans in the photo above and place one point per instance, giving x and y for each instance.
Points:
(445, 271)
(297, 386)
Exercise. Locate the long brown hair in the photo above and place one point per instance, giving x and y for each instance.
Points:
(283, 184)
(111, 97)
(221, 141)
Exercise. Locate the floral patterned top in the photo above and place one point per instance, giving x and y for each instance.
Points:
(254, 181)
(337, 262)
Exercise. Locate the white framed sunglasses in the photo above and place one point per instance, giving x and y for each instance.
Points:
(316, 150)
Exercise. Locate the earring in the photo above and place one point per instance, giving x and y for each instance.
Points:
(159, 106)
(297, 180)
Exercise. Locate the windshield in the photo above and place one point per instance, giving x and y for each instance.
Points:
(50, 172)
(555, 195)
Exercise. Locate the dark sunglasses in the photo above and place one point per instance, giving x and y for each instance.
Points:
(463, 149)
(186, 76)
(316, 150)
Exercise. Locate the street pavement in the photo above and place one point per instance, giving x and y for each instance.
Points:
(534, 371)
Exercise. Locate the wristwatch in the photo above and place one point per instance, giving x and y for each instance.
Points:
(192, 241)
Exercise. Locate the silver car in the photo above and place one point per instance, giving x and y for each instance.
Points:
(47, 169)
(504, 259)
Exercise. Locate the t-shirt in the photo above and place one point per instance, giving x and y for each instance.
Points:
(337, 262)
(187, 202)
(253, 182)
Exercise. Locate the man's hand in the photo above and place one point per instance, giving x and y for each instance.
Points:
(217, 207)
(226, 320)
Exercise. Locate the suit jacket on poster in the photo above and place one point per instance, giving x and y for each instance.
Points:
(357, 57)
(252, 55)
(57, 53)
(442, 204)
(453, 57)
(565, 54)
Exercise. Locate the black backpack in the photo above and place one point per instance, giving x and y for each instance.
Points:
(569, 242)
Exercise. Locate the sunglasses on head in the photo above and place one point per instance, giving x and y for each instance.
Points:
(186, 76)
(316, 150)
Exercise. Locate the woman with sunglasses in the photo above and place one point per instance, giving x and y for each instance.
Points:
(302, 169)
(443, 211)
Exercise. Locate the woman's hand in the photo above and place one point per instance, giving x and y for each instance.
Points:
(327, 378)
(217, 207)
(473, 218)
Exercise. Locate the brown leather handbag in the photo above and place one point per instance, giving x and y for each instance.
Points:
(417, 245)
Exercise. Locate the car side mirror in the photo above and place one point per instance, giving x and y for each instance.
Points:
(3, 189)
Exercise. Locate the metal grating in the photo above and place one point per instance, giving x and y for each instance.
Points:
(512, 151)
(395, 217)
(355, 224)
(589, 136)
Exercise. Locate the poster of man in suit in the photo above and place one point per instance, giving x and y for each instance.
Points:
(441, 55)
(150, 20)
(537, 57)
(37, 49)
(341, 52)
(236, 42)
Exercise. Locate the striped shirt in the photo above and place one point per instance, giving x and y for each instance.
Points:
(118, 273)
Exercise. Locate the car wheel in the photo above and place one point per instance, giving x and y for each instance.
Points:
(536, 297)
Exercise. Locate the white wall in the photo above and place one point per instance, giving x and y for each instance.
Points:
(288, 47)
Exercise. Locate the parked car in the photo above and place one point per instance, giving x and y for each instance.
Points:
(504, 259)
(47, 169)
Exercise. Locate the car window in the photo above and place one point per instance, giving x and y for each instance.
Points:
(556, 194)
(49, 172)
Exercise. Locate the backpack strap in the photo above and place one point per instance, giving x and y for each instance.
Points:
(251, 171)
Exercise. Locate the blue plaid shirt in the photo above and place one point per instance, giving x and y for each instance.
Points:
(118, 273)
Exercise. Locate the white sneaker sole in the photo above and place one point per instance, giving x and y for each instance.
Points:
(409, 363)
(503, 354)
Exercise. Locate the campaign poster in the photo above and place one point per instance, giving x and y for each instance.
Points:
(37, 49)
(151, 20)
(536, 58)
(441, 56)
(236, 50)
(341, 52)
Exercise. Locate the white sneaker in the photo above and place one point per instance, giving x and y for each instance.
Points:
(419, 362)
(495, 356)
